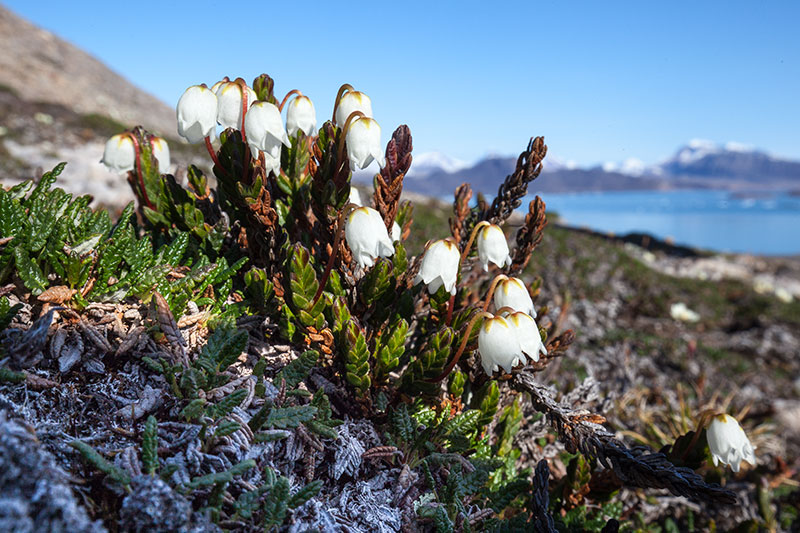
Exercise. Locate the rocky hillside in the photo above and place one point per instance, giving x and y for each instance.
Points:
(41, 67)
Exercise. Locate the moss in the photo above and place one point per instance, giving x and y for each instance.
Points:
(101, 125)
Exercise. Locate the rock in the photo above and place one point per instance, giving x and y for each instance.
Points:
(153, 507)
(35, 493)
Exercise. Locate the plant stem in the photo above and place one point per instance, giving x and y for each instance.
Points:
(350, 119)
(343, 89)
(285, 98)
(138, 166)
(452, 302)
(336, 242)
(461, 347)
(492, 287)
(214, 157)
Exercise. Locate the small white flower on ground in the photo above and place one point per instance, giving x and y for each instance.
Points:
(197, 114)
(355, 197)
(492, 246)
(265, 132)
(498, 346)
(528, 336)
(728, 442)
(440, 265)
(397, 232)
(161, 153)
(351, 102)
(364, 143)
(230, 104)
(513, 293)
(367, 237)
(119, 154)
(783, 295)
(679, 311)
(301, 116)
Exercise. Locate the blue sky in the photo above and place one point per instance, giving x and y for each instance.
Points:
(602, 81)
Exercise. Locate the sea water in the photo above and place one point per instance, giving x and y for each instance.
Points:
(766, 224)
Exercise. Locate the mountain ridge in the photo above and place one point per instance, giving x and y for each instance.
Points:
(41, 67)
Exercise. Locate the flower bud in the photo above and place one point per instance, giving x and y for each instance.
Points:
(265, 132)
(397, 232)
(513, 293)
(230, 104)
(439, 266)
(364, 143)
(527, 332)
(367, 236)
(351, 102)
(492, 246)
(498, 346)
(119, 154)
(161, 153)
(197, 114)
(301, 116)
(728, 442)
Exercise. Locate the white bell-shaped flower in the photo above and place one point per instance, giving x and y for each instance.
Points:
(397, 232)
(119, 154)
(364, 143)
(351, 102)
(528, 336)
(355, 197)
(161, 153)
(367, 236)
(512, 292)
(197, 114)
(216, 86)
(492, 246)
(498, 345)
(265, 132)
(440, 265)
(728, 442)
(301, 116)
(231, 105)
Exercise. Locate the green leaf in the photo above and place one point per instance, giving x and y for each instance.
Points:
(88, 453)
(225, 406)
(222, 349)
(8, 312)
(194, 409)
(297, 370)
(306, 493)
(150, 446)
(276, 504)
(10, 376)
(402, 424)
(227, 427)
(29, 272)
(290, 417)
(222, 477)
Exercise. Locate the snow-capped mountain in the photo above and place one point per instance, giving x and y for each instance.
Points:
(698, 164)
(731, 161)
(426, 163)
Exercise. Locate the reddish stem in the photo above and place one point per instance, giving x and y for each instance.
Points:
(492, 287)
(350, 119)
(336, 242)
(285, 98)
(214, 157)
(343, 89)
(461, 347)
(138, 166)
(451, 304)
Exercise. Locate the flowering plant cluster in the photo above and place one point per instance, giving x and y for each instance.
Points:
(432, 347)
